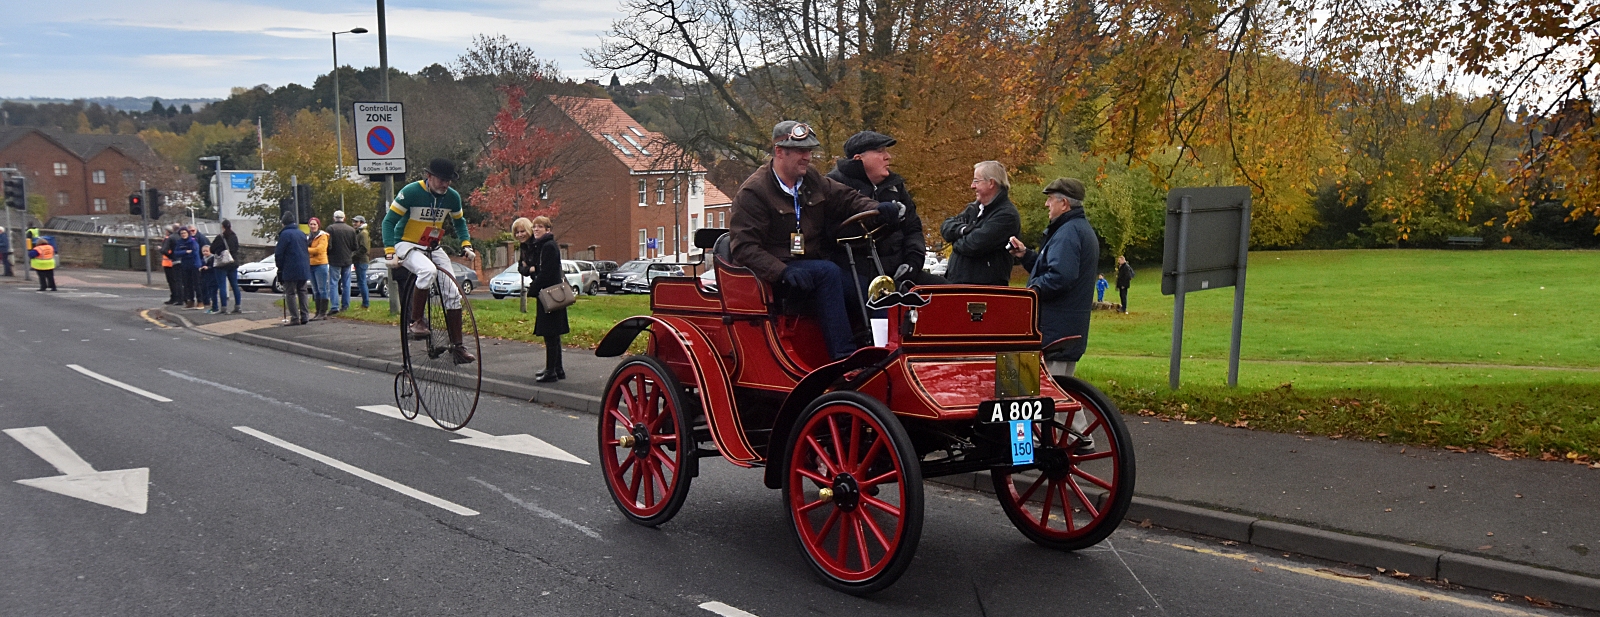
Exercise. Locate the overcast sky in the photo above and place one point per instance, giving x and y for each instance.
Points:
(203, 48)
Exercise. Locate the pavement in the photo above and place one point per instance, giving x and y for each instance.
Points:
(1518, 527)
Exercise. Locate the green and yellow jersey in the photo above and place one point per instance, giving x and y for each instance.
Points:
(416, 211)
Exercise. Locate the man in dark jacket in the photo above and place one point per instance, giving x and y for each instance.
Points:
(901, 248)
(170, 269)
(979, 235)
(361, 259)
(293, 258)
(1063, 272)
(5, 249)
(1124, 280)
(342, 245)
(778, 226)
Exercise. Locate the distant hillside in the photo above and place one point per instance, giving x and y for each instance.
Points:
(124, 103)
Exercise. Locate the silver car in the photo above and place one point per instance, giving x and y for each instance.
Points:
(259, 275)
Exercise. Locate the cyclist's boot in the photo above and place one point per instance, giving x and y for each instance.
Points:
(458, 351)
(419, 315)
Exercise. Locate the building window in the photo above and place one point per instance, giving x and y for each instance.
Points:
(62, 199)
(99, 176)
(544, 190)
(694, 223)
(661, 239)
(61, 169)
(642, 190)
(661, 191)
(677, 190)
(99, 205)
(642, 241)
(127, 177)
(721, 224)
(695, 187)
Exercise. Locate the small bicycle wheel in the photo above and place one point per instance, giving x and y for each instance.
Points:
(405, 394)
(1085, 479)
(447, 391)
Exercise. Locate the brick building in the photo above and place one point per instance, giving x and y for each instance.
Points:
(80, 174)
(626, 192)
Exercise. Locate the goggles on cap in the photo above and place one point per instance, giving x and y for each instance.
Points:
(798, 132)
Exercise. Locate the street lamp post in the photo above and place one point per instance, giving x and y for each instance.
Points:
(338, 107)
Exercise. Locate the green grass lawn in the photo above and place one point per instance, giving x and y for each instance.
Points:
(1495, 350)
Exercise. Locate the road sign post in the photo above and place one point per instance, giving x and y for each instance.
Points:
(1207, 245)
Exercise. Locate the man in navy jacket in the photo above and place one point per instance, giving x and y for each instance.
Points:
(1063, 272)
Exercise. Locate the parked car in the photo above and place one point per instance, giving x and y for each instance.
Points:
(590, 275)
(259, 275)
(639, 283)
(378, 278)
(933, 265)
(508, 283)
(604, 268)
(643, 269)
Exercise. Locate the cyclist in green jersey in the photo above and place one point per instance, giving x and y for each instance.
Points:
(416, 221)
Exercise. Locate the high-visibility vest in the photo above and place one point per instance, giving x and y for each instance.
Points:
(46, 259)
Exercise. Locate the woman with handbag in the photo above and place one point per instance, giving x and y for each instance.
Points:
(226, 247)
(540, 257)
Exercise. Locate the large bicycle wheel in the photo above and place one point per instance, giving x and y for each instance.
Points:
(446, 391)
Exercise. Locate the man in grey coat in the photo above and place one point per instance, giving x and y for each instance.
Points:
(977, 236)
(1063, 272)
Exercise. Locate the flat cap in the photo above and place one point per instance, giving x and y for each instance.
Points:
(866, 141)
(791, 134)
(1065, 187)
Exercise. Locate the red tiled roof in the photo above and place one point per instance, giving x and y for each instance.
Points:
(637, 147)
(715, 196)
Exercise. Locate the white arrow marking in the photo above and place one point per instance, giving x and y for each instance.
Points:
(521, 443)
(144, 393)
(360, 473)
(725, 610)
(123, 489)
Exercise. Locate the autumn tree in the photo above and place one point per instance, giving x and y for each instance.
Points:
(522, 162)
(303, 150)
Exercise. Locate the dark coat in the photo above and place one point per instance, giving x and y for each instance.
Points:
(185, 252)
(763, 218)
(227, 241)
(1063, 273)
(342, 244)
(902, 243)
(981, 256)
(1124, 275)
(540, 258)
(363, 245)
(5, 242)
(293, 256)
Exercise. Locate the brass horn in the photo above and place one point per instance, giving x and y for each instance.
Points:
(879, 288)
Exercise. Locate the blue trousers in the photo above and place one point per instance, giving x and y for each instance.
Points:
(228, 278)
(319, 282)
(361, 279)
(342, 280)
(822, 284)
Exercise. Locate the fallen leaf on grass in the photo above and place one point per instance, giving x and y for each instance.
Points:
(1539, 602)
(1345, 574)
(1434, 422)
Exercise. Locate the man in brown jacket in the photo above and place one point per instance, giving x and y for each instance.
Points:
(778, 229)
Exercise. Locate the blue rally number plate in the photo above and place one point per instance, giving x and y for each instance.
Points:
(1021, 442)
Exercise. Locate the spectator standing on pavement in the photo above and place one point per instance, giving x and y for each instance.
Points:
(43, 258)
(978, 236)
(293, 258)
(540, 257)
(1063, 273)
(361, 259)
(208, 279)
(5, 249)
(186, 256)
(228, 274)
(318, 250)
(170, 269)
(1124, 280)
(342, 245)
(1100, 286)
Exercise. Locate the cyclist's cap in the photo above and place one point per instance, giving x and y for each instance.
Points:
(442, 169)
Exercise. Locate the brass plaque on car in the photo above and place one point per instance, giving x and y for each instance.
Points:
(1016, 374)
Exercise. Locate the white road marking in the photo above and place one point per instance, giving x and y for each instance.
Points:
(123, 489)
(520, 443)
(725, 610)
(534, 508)
(141, 392)
(360, 473)
(228, 388)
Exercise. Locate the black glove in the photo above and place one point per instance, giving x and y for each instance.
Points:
(891, 210)
(796, 279)
(902, 271)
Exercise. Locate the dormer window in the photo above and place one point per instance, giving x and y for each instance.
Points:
(636, 131)
(618, 144)
(635, 143)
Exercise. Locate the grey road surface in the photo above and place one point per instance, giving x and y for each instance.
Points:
(272, 491)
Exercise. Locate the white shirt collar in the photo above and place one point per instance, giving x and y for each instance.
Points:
(787, 190)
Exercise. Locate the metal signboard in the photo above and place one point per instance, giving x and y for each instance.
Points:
(380, 138)
(1207, 246)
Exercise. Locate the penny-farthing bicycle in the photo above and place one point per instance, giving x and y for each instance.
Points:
(429, 380)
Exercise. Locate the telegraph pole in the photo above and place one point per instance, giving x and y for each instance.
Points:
(388, 179)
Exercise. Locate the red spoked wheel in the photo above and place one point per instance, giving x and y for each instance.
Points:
(646, 441)
(853, 489)
(1084, 483)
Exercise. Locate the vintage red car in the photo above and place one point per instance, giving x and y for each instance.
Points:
(957, 387)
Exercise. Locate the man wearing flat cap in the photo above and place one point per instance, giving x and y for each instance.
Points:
(902, 247)
(1063, 272)
(780, 219)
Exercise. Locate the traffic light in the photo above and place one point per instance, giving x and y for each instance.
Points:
(136, 204)
(16, 193)
(302, 193)
(155, 200)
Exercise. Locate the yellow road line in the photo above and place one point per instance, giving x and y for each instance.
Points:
(1370, 584)
(146, 315)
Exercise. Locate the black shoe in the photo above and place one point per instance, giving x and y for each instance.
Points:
(1085, 447)
(549, 377)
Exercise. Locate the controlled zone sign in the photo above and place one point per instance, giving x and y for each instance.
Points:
(380, 138)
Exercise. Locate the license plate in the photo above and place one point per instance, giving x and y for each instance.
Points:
(1009, 410)
(1021, 442)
